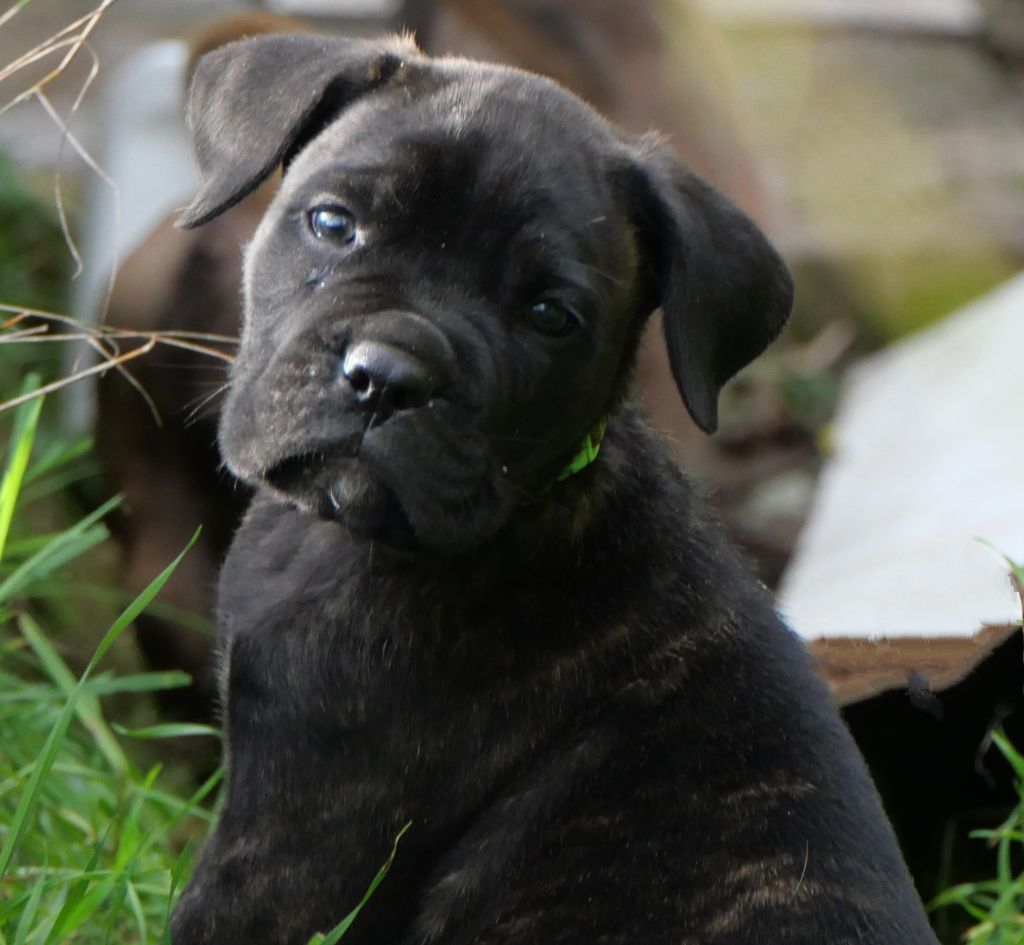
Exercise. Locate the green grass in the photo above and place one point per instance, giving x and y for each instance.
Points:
(996, 906)
(35, 266)
(94, 846)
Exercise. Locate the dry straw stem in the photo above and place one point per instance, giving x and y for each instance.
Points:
(69, 43)
(70, 40)
(67, 137)
(30, 326)
(34, 326)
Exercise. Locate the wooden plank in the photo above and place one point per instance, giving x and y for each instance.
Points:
(857, 668)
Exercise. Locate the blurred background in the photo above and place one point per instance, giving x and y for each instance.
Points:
(880, 145)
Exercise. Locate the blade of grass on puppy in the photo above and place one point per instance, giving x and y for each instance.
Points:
(332, 937)
(178, 872)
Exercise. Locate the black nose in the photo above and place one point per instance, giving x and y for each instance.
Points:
(385, 378)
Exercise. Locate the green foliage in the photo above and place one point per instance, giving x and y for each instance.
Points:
(996, 906)
(91, 848)
(810, 397)
(35, 266)
(34, 262)
(904, 293)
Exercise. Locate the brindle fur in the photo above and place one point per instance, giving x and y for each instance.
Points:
(596, 724)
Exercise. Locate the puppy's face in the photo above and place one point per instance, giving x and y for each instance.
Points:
(444, 297)
(437, 307)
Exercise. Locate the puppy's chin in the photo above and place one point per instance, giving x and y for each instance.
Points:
(395, 504)
(341, 489)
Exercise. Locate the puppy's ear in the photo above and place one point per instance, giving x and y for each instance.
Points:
(253, 104)
(723, 289)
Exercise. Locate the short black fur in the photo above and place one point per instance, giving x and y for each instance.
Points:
(591, 715)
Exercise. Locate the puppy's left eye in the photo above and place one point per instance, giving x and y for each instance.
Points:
(553, 318)
(332, 222)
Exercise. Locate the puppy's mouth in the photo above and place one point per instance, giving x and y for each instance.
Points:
(424, 479)
(336, 485)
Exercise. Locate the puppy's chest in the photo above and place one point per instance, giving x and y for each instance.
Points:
(355, 690)
(331, 685)
(395, 711)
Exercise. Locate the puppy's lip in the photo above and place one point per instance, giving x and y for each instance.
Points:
(336, 485)
(367, 507)
(295, 476)
(296, 470)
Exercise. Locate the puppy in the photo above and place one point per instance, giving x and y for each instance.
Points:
(472, 593)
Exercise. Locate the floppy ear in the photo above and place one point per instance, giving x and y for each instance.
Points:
(723, 289)
(253, 104)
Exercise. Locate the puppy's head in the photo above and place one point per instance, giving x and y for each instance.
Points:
(447, 291)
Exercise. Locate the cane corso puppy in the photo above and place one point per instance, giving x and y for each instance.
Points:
(473, 594)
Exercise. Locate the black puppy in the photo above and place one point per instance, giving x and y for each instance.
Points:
(473, 593)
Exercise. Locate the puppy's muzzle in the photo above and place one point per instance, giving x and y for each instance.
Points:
(386, 379)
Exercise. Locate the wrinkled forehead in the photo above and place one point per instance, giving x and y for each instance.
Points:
(473, 129)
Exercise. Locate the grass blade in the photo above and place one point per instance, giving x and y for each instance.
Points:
(22, 438)
(181, 867)
(30, 795)
(88, 706)
(156, 681)
(169, 730)
(66, 545)
(28, 916)
(78, 889)
(332, 937)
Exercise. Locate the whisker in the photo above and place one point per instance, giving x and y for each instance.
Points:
(197, 405)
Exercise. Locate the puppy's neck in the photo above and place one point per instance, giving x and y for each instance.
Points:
(584, 522)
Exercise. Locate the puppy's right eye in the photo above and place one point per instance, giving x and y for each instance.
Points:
(553, 318)
(332, 222)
